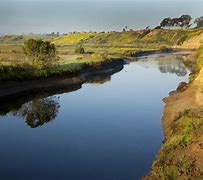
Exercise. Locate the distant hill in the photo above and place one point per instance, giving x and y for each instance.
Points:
(19, 39)
(185, 38)
(167, 37)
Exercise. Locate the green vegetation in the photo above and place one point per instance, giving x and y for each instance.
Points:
(199, 22)
(199, 64)
(200, 58)
(73, 52)
(69, 55)
(175, 160)
(66, 65)
(183, 21)
(35, 48)
(181, 155)
(42, 53)
(74, 38)
(20, 39)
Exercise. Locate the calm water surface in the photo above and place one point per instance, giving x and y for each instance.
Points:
(110, 129)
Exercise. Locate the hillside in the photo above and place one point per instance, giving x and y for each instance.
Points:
(165, 36)
(19, 39)
(188, 38)
(168, 37)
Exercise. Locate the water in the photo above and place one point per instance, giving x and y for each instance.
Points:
(109, 129)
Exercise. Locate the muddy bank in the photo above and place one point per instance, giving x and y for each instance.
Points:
(161, 51)
(181, 155)
(21, 92)
(26, 90)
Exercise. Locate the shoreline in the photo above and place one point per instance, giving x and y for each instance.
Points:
(161, 51)
(23, 91)
(181, 155)
(14, 94)
(9, 89)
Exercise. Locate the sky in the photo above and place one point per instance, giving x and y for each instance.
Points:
(45, 16)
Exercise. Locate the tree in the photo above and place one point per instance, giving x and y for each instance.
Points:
(199, 22)
(166, 22)
(157, 27)
(183, 21)
(175, 22)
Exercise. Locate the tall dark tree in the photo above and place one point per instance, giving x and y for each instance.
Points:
(175, 22)
(185, 21)
(166, 22)
(199, 22)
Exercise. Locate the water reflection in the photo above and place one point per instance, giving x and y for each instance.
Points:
(113, 130)
(39, 111)
(167, 64)
(177, 68)
(40, 107)
(173, 65)
(99, 79)
(14, 103)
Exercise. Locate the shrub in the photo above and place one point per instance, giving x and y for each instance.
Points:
(79, 50)
(41, 52)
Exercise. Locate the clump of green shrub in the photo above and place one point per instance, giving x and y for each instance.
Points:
(41, 52)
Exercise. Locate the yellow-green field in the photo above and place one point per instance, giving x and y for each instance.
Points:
(73, 38)
(98, 46)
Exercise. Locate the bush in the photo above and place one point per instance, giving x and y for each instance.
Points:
(41, 52)
(79, 50)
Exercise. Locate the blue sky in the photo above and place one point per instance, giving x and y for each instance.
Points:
(43, 16)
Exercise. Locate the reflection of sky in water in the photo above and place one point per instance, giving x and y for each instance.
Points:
(18, 16)
(109, 131)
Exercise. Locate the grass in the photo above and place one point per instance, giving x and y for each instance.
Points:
(133, 38)
(200, 58)
(175, 158)
(66, 65)
(73, 38)
(199, 64)
(121, 44)
(98, 48)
